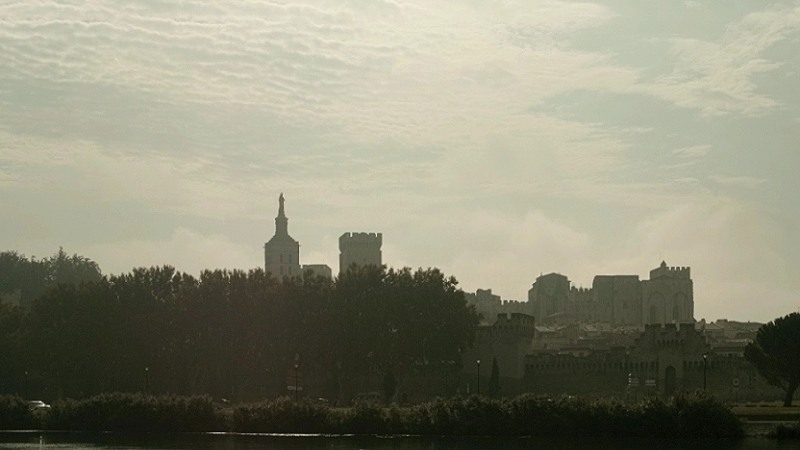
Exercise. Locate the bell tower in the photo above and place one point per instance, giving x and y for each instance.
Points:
(281, 252)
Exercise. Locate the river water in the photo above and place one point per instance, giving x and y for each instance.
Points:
(211, 441)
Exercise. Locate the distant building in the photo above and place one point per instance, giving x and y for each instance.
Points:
(361, 249)
(282, 253)
(667, 297)
(490, 305)
(319, 270)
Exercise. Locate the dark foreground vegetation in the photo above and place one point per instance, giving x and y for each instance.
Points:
(784, 431)
(227, 334)
(683, 416)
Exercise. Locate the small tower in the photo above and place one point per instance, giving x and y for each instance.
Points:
(282, 253)
(668, 296)
(361, 249)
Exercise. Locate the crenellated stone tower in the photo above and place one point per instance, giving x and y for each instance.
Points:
(282, 253)
(361, 249)
(668, 297)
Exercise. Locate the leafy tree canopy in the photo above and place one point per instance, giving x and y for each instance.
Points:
(776, 354)
(230, 334)
(32, 277)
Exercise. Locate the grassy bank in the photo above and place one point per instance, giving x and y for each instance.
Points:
(686, 416)
(116, 412)
(521, 416)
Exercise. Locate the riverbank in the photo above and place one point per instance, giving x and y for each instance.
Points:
(460, 416)
(227, 441)
(690, 416)
(763, 419)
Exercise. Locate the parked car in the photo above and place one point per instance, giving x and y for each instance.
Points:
(33, 405)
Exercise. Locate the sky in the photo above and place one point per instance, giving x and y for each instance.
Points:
(494, 140)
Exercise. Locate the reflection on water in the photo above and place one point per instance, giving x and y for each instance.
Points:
(107, 441)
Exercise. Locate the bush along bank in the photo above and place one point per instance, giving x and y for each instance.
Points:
(16, 414)
(115, 412)
(786, 431)
(682, 416)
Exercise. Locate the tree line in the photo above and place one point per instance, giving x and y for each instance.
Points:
(230, 334)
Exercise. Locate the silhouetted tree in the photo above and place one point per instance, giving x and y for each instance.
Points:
(776, 354)
(19, 274)
(32, 277)
(397, 320)
(389, 386)
(494, 379)
(75, 269)
(12, 370)
(73, 338)
(230, 334)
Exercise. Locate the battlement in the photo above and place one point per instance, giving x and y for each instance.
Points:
(513, 324)
(361, 238)
(581, 290)
(514, 319)
(669, 327)
(664, 271)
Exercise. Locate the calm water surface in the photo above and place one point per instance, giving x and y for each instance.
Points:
(65, 441)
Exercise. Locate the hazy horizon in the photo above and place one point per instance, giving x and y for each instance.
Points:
(495, 141)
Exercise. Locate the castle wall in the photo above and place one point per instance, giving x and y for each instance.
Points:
(664, 360)
(508, 340)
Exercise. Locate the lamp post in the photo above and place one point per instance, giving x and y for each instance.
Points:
(705, 370)
(478, 386)
(296, 366)
(146, 380)
(26, 385)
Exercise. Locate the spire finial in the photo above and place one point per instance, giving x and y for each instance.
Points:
(280, 205)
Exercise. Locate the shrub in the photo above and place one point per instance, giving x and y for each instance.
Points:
(15, 414)
(366, 418)
(786, 431)
(702, 416)
(685, 416)
(135, 412)
(282, 416)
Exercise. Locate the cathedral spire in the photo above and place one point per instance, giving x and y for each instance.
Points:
(281, 222)
(281, 252)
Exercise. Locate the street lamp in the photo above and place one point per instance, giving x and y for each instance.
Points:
(26, 384)
(705, 370)
(146, 380)
(478, 362)
(296, 366)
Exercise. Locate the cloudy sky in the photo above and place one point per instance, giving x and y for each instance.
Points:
(496, 140)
